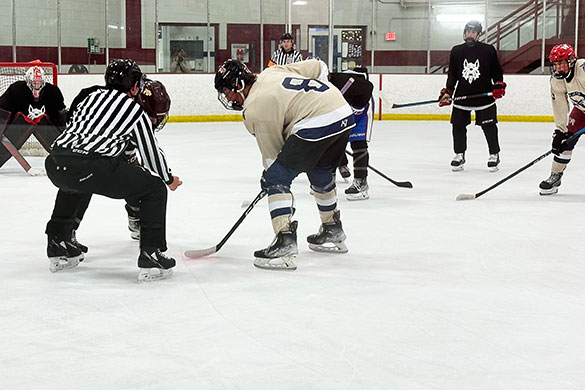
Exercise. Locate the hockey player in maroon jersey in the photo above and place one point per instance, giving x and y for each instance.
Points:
(567, 83)
(474, 68)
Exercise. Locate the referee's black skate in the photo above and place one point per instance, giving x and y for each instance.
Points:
(551, 185)
(280, 254)
(62, 254)
(154, 265)
(330, 237)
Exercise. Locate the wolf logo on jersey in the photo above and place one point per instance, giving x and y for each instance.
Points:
(470, 70)
(34, 113)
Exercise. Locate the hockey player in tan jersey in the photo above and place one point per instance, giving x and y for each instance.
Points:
(567, 82)
(301, 123)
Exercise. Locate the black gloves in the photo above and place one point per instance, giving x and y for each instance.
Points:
(559, 144)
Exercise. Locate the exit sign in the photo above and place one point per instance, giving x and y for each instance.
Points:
(391, 36)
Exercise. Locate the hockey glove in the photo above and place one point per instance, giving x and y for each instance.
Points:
(559, 142)
(445, 97)
(499, 89)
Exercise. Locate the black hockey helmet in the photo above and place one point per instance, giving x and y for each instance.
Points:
(122, 74)
(472, 25)
(235, 76)
(155, 100)
(286, 36)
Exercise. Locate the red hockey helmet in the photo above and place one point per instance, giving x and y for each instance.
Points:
(559, 53)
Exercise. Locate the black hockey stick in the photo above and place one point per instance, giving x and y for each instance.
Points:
(403, 184)
(437, 100)
(194, 254)
(531, 163)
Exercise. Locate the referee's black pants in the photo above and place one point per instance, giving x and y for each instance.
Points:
(79, 177)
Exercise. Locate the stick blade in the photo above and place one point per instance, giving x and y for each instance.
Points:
(465, 197)
(404, 184)
(197, 253)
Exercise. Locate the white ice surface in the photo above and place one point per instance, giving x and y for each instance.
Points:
(484, 294)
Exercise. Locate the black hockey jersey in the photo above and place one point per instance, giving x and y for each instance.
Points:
(18, 98)
(473, 70)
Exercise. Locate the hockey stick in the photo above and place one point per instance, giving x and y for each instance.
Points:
(195, 254)
(531, 163)
(437, 100)
(403, 184)
(19, 157)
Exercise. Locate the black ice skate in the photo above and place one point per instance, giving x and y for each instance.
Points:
(344, 172)
(458, 162)
(78, 244)
(154, 265)
(493, 162)
(330, 237)
(551, 185)
(133, 221)
(280, 254)
(358, 190)
(62, 254)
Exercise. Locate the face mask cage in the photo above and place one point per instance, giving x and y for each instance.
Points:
(227, 104)
(559, 75)
(161, 121)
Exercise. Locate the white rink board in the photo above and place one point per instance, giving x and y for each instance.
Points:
(194, 94)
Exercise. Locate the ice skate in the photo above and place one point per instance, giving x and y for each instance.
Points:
(330, 237)
(154, 265)
(344, 172)
(62, 254)
(81, 247)
(358, 190)
(133, 221)
(280, 254)
(458, 162)
(493, 162)
(551, 185)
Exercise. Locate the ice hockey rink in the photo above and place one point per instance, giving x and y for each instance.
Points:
(434, 293)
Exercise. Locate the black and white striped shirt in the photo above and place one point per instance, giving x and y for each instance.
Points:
(281, 57)
(105, 122)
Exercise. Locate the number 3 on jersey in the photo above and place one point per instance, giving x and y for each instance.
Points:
(298, 84)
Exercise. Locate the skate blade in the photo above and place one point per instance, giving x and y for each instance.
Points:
(359, 196)
(135, 235)
(57, 264)
(153, 274)
(277, 264)
(552, 191)
(494, 169)
(457, 169)
(329, 247)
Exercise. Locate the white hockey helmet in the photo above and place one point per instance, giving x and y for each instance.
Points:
(35, 79)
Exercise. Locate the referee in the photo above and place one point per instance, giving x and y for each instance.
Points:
(84, 162)
(286, 53)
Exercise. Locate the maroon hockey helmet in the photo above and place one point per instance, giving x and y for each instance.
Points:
(156, 102)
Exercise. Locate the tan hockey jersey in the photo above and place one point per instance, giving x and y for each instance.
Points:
(294, 100)
(563, 90)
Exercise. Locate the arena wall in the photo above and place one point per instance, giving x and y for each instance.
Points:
(195, 100)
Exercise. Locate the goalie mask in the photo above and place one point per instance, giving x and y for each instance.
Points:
(35, 79)
(235, 76)
(562, 61)
(156, 102)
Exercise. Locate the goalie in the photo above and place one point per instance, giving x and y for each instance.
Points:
(31, 106)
